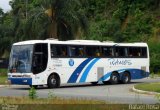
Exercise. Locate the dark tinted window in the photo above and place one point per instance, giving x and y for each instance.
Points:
(134, 52)
(121, 52)
(40, 58)
(144, 52)
(93, 51)
(107, 51)
(97, 51)
(137, 52)
(58, 51)
(76, 51)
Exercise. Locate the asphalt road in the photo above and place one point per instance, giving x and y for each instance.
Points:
(120, 93)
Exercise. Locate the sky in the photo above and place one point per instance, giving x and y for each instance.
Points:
(4, 4)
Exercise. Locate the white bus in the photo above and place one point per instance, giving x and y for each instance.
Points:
(53, 62)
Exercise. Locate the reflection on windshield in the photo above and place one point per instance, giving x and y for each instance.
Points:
(21, 59)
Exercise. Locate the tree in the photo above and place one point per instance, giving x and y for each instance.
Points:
(19, 16)
(59, 19)
(6, 32)
(1, 12)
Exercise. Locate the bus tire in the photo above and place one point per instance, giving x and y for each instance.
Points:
(126, 78)
(53, 81)
(114, 78)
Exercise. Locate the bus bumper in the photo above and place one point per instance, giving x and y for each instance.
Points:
(20, 81)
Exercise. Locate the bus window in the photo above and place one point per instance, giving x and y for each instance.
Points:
(81, 51)
(121, 52)
(93, 51)
(107, 51)
(63, 51)
(134, 51)
(144, 52)
(97, 52)
(58, 51)
(76, 51)
(72, 51)
(53, 51)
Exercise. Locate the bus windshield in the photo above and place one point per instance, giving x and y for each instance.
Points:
(21, 59)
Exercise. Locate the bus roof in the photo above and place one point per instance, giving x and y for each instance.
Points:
(81, 42)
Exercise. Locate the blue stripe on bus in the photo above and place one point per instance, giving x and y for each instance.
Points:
(138, 73)
(73, 78)
(135, 74)
(85, 73)
(103, 78)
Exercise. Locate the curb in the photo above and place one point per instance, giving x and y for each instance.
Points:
(144, 92)
(4, 86)
(154, 77)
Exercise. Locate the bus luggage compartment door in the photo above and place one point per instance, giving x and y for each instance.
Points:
(100, 72)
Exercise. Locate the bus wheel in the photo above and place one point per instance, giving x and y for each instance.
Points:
(126, 78)
(94, 83)
(53, 81)
(114, 78)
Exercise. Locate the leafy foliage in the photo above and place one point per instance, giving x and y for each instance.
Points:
(32, 93)
(157, 96)
(155, 56)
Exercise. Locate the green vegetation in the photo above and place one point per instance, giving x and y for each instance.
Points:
(158, 97)
(155, 75)
(32, 93)
(155, 55)
(152, 87)
(24, 100)
(58, 104)
(3, 80)
(3, 72)
(3, 76)
(116, 20)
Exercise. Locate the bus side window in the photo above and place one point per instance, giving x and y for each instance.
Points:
(121, 52)
(80, 51)
(144, 52)
(89, 51)
(63, 51)
(93, 51)
(116, 52)
(97, 52)
(107, 51)
(134, 52)
(58, 51)
(76, 51)
(53, 51)
(130, 52)
(72, 51)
